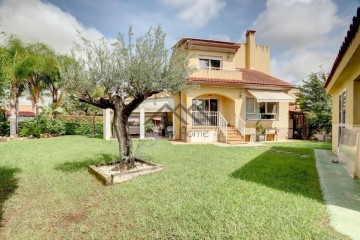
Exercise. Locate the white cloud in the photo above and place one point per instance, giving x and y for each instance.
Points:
(303, 32)
(33, 20)
(199, 12)
(296, 23)
(219, 37)
(299, 65)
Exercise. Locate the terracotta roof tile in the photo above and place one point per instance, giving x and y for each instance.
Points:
(22, 113)
(251, 77)
(206, 42)
(354, 28)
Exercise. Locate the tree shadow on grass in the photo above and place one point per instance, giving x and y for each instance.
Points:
(292, 170)
(76, 166)
(8, 185)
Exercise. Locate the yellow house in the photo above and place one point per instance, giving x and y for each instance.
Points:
(229, 93)
(343, 84)
(234, 90)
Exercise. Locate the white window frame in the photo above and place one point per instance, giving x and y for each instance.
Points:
(205, 117)
(257, 111)
(341, 125)
(210, 58)
(209, 104)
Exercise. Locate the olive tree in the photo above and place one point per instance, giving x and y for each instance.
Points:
(128, 73)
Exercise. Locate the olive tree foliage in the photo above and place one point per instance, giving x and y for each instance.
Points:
(128, 72)
(313, 100)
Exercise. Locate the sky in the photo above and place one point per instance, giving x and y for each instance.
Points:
(303, 35)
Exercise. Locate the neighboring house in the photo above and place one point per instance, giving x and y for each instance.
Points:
(343, 84)
(233, 91)
(25, 112)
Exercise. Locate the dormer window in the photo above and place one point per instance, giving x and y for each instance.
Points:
(210, 63)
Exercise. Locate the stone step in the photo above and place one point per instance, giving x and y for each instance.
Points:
(235, 137)
(234, 142)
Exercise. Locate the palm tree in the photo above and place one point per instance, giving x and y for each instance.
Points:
(14, 53)
(39, 65)
(55, 82)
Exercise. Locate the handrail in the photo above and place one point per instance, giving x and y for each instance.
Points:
(210, 118)
(205, 118)
(222, 123)
(240, 125)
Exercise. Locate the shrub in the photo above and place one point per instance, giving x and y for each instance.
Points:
(73, 128)
(30, 128)
(79, 118)
(42, 124)
(4, 128)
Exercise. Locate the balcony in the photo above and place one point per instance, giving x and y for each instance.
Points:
(219, 73)
(260, 116)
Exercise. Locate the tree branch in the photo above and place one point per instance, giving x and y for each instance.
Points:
(99, 102)
(130, 107)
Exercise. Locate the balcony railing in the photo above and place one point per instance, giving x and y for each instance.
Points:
(260, 116)
(204, 118)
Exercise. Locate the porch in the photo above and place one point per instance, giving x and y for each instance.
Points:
(230, 115)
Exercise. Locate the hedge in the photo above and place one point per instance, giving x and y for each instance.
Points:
(73, 128)
(4, 128)
(79, 118)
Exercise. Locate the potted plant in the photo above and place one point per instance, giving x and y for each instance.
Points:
(260, 132)
(149, 129)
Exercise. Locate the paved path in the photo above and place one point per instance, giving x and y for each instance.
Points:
(341, 193)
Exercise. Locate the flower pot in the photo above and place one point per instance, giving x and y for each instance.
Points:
(261, 138)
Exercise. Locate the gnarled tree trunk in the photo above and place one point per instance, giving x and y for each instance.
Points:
(122, 112)
(121, 125)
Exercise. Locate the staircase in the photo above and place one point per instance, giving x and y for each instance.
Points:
(234, 136)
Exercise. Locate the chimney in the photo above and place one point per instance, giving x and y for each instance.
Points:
(250, 52)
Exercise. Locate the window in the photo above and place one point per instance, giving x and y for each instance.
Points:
(342, 112)
(207, 63)
(205, 105)
(205, 112)
(260, 111)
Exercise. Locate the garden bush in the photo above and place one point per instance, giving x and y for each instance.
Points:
(41, 124)
(75, 128)
(4, 128)
(79, 119)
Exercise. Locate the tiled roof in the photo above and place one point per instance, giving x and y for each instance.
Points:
(22, 113)
(206, 42)
(354, 28)
(249, 77)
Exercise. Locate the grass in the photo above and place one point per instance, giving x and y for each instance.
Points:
(204, 192)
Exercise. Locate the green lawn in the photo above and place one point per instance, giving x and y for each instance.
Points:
(204, 192)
